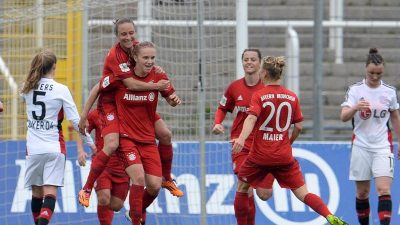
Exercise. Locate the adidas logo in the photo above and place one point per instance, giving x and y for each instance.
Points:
(240, 98)
(44, 213)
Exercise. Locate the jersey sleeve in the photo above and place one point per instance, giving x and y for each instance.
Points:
(350, 98)
(170, 90)
(255, 105)
(71, 113)
(227, 102)
(394, 103)
(297, 114)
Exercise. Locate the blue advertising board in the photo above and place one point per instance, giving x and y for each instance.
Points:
(324, 165)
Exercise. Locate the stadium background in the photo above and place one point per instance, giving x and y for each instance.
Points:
(80, 33)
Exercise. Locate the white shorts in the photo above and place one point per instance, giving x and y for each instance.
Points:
(366, 164)
(45, 169)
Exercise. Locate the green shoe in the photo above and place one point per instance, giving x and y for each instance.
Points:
(334, 220)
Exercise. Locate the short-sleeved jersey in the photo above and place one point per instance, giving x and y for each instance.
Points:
(276, 109)
(237, 99)
(114, 165)
(117, 65)
(137, 109)
(45, 109)
(371, 127)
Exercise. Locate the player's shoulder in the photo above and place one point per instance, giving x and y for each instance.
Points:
(356, 85)
(238, 83)
(387, 86)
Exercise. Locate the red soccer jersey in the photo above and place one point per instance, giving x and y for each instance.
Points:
(237, 97)
(114, 165)
(137, 109)
(117, 64)
(276, 109)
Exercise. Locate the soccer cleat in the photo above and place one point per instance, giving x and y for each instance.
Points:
(172, 188)
(128, 217)
(334, 220)
(83, 197)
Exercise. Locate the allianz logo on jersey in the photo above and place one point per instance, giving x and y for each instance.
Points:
(220, 187)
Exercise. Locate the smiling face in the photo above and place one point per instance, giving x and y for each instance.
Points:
(145, 58)
(374, 74)
(251, 62)
(126, 35)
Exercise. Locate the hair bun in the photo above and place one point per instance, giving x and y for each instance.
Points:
(373, 50)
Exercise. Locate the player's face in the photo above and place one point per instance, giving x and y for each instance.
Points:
(374, 74)
(145, 59)
(251, 62)
(126, 35)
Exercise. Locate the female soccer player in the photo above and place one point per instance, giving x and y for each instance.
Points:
(46, 103)
(272, 111)
(113, 184)
(118, 64)
(137, 112)
(237, 97)
(369, 104)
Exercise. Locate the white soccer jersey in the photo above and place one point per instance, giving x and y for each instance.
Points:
(45, 108)
(371, 127)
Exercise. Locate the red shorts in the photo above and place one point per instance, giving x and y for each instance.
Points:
(237, 161)
(132, 152)
(118, 184)
(288, 176)
(108, 112)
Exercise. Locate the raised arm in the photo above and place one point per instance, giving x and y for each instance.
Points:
(137, 85)
(94, 93)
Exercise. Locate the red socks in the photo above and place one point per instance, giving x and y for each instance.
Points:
(98, 165)
(105, 214)
(166, 156)
(316, 203)
(136, 203)
(251, 216)
(241, 205)
(147, 199)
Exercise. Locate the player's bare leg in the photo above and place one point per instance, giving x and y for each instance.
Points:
(111, 142)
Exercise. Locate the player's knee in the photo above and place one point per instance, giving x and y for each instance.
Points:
(363, 193)
(103, 199)
(153, 188)
(116, 206)
(383, 191)
(139, 180)
(264, 194)
(165, 137)
(242, 187)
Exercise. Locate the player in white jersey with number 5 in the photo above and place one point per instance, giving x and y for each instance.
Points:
(46, 103)
(370, 104)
